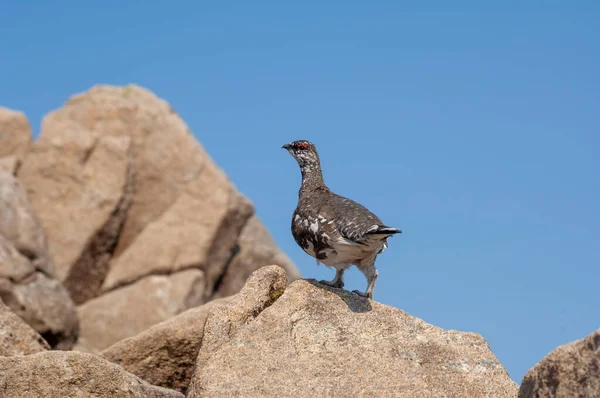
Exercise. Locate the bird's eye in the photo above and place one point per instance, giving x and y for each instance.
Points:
(302, 145)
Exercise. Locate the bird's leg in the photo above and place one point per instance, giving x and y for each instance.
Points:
(371, 273)
(337, 280)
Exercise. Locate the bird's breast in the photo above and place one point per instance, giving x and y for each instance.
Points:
(311, 235)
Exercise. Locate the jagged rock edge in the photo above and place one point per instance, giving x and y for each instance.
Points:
(274, 296)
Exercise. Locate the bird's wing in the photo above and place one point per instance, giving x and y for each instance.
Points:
(351, 222)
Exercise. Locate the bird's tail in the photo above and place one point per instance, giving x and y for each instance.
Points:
(383, 230)
(383, 233)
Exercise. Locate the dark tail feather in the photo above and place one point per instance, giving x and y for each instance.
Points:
(383, 230)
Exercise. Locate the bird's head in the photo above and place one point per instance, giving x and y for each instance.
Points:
(305, 154)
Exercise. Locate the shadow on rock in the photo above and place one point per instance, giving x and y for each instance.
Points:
(354, 302)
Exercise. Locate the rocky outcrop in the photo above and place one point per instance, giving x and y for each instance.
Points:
(61, 374)
(311, 340)
(126, 312)
(125, 192)
(164, 355)
(571, 370)
(17, 337)
(15, 136)
(273, 339)
(27, 283)
(256, 248)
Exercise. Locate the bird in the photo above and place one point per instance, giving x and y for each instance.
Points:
(338, 232)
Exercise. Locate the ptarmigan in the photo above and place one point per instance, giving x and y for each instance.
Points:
(335, 230)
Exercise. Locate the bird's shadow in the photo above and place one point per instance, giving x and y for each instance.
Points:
(354, 302)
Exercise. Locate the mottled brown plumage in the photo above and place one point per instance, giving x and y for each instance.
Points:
(335, 230)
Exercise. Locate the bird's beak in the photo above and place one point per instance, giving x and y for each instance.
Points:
(287, 146)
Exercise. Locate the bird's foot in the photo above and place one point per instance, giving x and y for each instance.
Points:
(362, 294)
(337, 284)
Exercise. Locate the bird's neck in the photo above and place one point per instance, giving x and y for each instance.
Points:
(312, 177)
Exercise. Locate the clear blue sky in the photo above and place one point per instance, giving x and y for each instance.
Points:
(474, 129)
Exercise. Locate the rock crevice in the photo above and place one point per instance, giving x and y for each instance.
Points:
(85, 277)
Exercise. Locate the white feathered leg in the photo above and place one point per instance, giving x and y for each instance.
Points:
(371, 273)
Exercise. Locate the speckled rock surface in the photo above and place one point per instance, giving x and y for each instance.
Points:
(318, 341)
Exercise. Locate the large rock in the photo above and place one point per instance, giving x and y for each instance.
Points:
(27, 284)
(164, 355)
(15, 133)
(126, 312)
(256, 249)
(60, 374)
(17, 337)
(319, 341)
(571, 370)
(81, 187)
